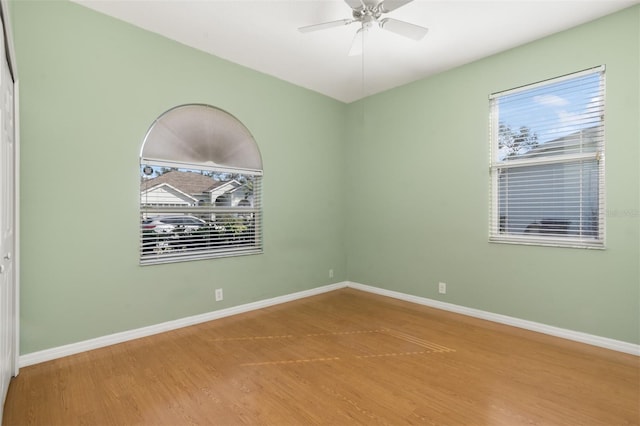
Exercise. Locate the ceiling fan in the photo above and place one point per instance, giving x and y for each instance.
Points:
(368, 12)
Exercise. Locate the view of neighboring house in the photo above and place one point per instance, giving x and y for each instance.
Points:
(165, 194)
(180, 188)
(550, 206)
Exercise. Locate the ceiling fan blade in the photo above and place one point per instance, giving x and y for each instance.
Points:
(356, 45)
(325, 25)
(412, 31)
(389, 5)
(354, 4)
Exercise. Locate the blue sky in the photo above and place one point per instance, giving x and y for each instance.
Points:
(554, 110)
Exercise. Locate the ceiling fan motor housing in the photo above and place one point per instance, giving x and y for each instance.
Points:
(367, 14)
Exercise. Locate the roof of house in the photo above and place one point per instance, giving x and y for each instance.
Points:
(170, 189)
(187, 182)
(585, 138)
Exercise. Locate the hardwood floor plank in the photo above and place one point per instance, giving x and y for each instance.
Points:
(344, 357)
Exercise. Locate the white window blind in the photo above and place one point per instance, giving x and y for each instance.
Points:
(200, 187)
(189, 214)
(547, 162)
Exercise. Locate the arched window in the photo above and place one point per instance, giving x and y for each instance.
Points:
(200, 187)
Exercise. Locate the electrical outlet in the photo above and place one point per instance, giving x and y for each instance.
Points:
(330, 273)
(219, 295)
(442, 288)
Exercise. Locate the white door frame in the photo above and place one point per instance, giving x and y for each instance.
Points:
(11, 59)
(16, 230)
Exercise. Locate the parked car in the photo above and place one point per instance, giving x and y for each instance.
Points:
(181, 233)
(164, 224)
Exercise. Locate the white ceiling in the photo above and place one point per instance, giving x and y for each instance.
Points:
(262, 35)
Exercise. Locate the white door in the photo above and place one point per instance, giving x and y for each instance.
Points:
(7, 225)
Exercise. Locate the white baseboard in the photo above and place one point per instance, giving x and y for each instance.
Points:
(603, 342)
(112, 339)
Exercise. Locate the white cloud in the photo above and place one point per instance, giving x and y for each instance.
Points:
(551, 100)
(595, 102)
(570, 122)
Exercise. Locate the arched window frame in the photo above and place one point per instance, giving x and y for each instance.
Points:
(191, 155)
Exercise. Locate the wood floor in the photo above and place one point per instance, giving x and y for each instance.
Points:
(341, 358)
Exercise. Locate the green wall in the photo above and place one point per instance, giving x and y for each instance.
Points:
(418, 186)
(90, 88)
(399, 203)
